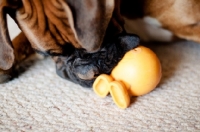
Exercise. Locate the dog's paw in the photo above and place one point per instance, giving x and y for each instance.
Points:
(5, 76)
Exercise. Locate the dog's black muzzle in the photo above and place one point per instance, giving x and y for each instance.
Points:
(82, 68)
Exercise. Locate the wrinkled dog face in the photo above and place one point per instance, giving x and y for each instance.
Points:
(53, 27)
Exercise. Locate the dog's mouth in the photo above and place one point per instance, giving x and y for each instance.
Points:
(82, 68)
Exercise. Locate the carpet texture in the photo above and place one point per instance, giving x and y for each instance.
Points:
(39, 100)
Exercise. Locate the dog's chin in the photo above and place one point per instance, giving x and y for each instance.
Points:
(82, 67)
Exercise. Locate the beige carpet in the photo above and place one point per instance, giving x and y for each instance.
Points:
(41, 101)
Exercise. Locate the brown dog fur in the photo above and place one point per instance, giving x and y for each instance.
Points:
(181, 17)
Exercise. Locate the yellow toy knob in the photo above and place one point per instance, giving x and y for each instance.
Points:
(101, 85)
(119, 94)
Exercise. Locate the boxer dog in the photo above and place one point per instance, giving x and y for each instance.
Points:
(76, 31)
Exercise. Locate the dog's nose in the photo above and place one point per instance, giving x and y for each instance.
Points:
(87, 72)
(85, 68)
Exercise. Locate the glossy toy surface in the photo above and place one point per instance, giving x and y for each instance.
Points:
(138, 73)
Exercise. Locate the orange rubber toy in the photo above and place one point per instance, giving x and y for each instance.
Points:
(138, 73)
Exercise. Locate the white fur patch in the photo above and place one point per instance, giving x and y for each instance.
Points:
(149, 29)
(12, 27)
(110, 3)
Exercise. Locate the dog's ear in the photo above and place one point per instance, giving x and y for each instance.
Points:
(91, 19)
(6, 49)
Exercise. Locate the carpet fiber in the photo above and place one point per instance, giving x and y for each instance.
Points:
(38, 100)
